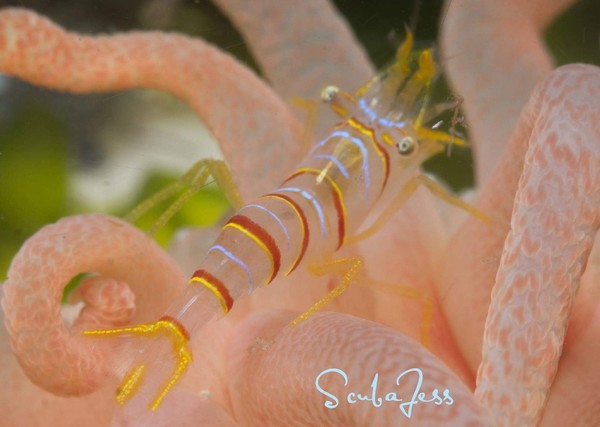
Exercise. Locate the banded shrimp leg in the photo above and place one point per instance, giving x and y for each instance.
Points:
(194, 179)
(376, 149)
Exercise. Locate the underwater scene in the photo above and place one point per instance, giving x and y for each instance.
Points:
(299, 213)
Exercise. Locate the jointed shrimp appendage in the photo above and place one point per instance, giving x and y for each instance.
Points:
(550, 164)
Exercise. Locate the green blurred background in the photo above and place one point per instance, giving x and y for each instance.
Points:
(51, 142)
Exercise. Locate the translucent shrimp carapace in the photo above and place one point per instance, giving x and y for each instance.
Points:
(378, 145)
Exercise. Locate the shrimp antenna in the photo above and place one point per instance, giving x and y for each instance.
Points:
(414, 17)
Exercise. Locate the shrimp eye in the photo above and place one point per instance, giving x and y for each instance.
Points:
(329, 92)
(405, 146)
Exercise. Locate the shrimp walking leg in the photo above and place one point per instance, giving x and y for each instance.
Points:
(311, 110)
(348, 268)
(425, 298)
(407, 190)
(194, 179)
(166, 327)
(150, 379)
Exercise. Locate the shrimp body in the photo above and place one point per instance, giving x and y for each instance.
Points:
(376, 148)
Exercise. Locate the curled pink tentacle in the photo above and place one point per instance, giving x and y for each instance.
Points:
(62, 361)
(107, 302)
(301, 46)
(361, 351)
(37, 50)
(554, 221)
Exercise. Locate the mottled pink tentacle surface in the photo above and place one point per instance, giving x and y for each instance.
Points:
(301, 48)
(63, 361)
(363, 350)
(39, 51)
(107, 302)
(546, 250)
(495, 81)
(23, 403)
(312, 43)
(475, 251)
(473, 59)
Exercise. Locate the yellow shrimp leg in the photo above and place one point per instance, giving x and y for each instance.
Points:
(195, 178)
(132, 381)
(311, 108)
(410, 293)
(407, 190)
(349, 268)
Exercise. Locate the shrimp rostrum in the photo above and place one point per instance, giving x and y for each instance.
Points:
(372, 154)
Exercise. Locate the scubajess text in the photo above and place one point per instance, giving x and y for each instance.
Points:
(378, 395)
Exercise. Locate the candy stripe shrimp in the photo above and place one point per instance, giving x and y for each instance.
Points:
(376, 149)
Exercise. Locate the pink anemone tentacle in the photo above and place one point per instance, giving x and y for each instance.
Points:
(495, 79)
(301, 46)
(491, 52)
(23, 403)
(554, 221)
(363, 350)
(36, 50)
(53, 357)
(476, 250)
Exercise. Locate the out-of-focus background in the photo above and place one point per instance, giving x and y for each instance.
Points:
(63, 154)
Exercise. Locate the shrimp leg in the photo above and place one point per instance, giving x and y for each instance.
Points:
(85, 243)
(195, 178)
(348, 268)
(179, 340)
(405, 192)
